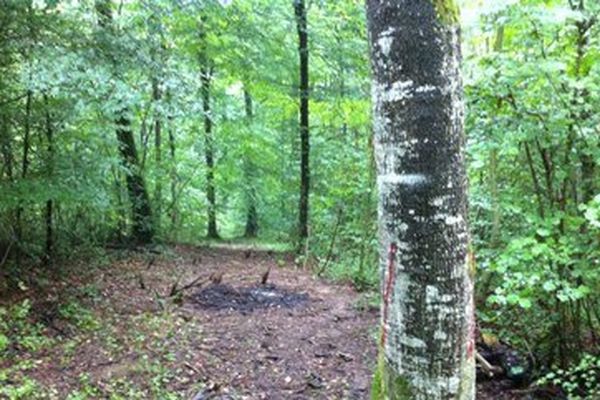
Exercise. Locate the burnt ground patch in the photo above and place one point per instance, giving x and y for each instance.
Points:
(249, 298)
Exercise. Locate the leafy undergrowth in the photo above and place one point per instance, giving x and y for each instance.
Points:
(99, 335)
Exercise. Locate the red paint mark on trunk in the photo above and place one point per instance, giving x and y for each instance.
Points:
(387, 290)
(470, 349)
(472, 333)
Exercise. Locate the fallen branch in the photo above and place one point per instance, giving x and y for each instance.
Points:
(150, 263)
(192, 368)
(489, 369)
(174, 289)
(199, 281)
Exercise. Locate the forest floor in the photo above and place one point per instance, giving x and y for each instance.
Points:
(115, 332)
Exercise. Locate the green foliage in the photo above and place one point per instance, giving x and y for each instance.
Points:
(533, 148)
(19, 334)
(580, 381)
(26, 389)
(81, 317)
(18, 331)
(447, 10)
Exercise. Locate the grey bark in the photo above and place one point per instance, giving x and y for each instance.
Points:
(427, 339)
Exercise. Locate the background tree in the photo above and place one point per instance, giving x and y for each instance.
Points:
(302, 28)
(143, 230)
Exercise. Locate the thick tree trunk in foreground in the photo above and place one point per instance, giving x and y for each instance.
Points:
(427, 343)
(300, 11)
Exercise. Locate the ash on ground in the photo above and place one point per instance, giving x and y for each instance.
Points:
(247, 299)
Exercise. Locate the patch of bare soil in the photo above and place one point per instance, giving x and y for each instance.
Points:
(294, 338)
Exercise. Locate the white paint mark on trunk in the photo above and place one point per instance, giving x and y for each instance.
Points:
(403, 179)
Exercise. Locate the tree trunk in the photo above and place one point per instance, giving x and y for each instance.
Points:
(251, 230)
(6, 150)
(48, 217)
(206, 77)
(138, 196)
(301, 23)
(24, 170)
(156, 97)
(143, 230)
(427, 338)
(7, 170)
(173, 169)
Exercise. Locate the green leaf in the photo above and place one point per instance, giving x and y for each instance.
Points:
(525, 303)
(549, 286)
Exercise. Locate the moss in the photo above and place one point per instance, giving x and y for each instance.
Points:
(387, 385)
(471, 264)
(377, 390)
(447, 11)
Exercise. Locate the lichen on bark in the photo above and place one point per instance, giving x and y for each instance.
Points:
(447, 11)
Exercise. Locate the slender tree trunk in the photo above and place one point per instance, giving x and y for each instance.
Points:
(6, 149)
(142, 230)
(301, 23)
(206, 77)
(427, 338)
(122, 213)
(534, 178)
(252, 212)
(7, 170)
(173, 172)
(156, 97)
(494, 185)
(24, 170)
(48, 217)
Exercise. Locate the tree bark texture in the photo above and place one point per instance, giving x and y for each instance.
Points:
(427, 334)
